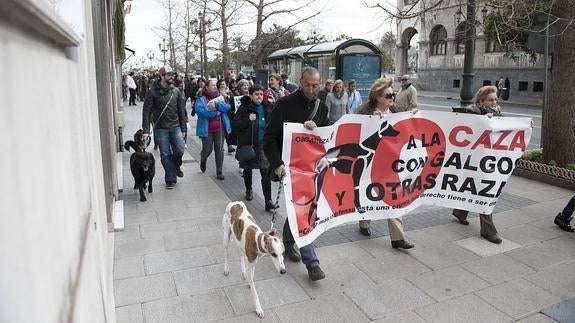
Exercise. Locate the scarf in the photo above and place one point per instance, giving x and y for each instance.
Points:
(338, 95)
(212, 95)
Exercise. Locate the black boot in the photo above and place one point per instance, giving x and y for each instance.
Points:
(563, 224)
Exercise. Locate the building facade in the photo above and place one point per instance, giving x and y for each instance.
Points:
(61, 124)
(440, 51)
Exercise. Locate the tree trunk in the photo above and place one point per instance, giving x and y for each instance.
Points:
(225, 45)
(559, 122)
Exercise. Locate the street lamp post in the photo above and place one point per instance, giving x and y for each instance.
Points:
(150, 56)
(201, 31)
(466, 94)
(163, 49)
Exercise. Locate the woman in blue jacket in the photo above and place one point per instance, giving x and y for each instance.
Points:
(213, 125)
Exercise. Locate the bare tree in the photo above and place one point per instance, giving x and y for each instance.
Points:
(229, 16)
(269, 8)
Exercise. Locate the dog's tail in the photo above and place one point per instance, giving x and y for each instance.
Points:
(131, 144)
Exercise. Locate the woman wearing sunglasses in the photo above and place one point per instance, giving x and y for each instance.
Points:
(380, 102)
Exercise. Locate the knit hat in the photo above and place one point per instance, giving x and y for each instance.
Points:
(242, 82)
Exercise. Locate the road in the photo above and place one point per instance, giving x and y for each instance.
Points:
(440, 104)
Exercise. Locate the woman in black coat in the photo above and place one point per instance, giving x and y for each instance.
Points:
(248, 124)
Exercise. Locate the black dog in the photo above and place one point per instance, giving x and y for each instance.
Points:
(142, 165)
(138, 144)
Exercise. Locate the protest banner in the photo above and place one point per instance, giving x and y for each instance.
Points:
(367, 167)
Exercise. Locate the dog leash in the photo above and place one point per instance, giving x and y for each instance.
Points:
(274, 213)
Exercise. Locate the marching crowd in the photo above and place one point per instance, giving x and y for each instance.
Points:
(250, 119)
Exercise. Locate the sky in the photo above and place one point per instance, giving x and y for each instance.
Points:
(337, 17)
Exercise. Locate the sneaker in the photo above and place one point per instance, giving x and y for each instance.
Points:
(315, 273)
(220, 177)
(179, 173)
(249, 195)
(231, 149)
(170, 185)
(402, 244)
(563, 224)
(292, 253)
(203, 166)
(271, 205)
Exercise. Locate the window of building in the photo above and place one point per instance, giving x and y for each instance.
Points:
(537, 86)
(486, 82)
(523, 85)
(438, 40)
(456, 84)
(493, 46)
(460, 39)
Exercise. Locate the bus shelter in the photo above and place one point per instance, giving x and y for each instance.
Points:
(353, 59)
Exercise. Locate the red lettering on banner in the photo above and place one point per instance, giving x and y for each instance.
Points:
(484, 140)
(453, 136)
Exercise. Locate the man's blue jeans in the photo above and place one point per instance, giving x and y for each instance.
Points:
(171, 143)
(569, 209)
(308, 256)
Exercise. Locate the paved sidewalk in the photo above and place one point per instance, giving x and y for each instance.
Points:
(168, 260)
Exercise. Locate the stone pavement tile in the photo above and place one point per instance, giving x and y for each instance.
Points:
(129, 233)
(402, 317)
(388, 297)
(138, 247)
(269, 317)
(559, 280)
(129, 267)
(391, 267)
(167, 228)
(140, 218)
(342, 254)
(526, 234)
(435, 235)
(217, 253)
(508, 219)
(177, 260)
(129, 314)
(547, 193)
(143, 289)
(518, 298)
(338, 278)
(519, 185)
(497, 269)
(442, 255)
(537, 318)
(534, 211)
(211, 305)
(548, 225)
(272, 293)
(467, 308)
(330, 308)
(193, 239)
(562, 312)
(168, 205)
(484, 248)
(539, 256)
(467, 231)
(214, 198)
(448, 282)
(214, 212)
(565, 243)
(380, 247)
(194, 280)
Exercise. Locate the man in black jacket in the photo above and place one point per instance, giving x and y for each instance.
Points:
(301, 106)
(164, 106)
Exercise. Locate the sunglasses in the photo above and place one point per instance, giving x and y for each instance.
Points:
(389, 95)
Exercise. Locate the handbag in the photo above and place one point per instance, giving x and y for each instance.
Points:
(245, 153)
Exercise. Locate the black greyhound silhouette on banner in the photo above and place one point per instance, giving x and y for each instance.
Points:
(351, 159)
